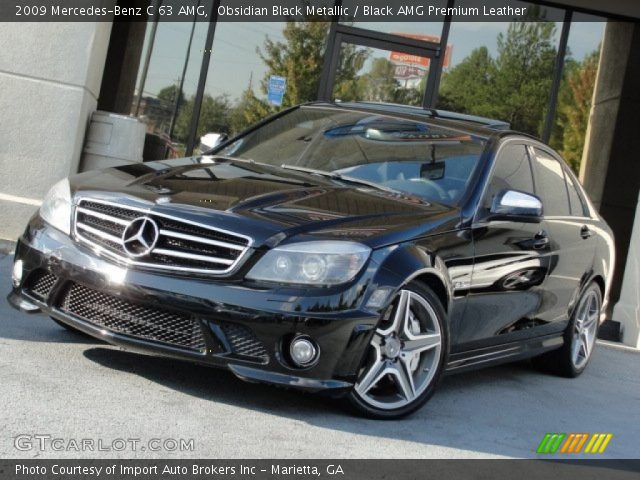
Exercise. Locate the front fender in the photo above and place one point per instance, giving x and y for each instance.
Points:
(406, 262)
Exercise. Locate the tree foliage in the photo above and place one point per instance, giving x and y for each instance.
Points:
(168, 95)
(215, 113)
(467, 87)
(299, 58)
(574, 107)
(514, 86)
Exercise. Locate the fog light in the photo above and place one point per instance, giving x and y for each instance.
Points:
(303, 351)
(16, 274)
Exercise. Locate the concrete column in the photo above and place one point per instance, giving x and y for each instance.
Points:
(50, 75)
(627, 310)
(607, 95)
(121, 70)
(610, 171)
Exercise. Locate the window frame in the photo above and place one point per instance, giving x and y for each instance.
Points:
(576, 185)
(588, 211)
(550, 153)
(503, 142)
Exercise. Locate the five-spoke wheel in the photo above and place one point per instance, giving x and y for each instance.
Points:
(585, 328)
(405, 356)
(579, 337)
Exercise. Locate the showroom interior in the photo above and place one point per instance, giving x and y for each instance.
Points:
(569, 76)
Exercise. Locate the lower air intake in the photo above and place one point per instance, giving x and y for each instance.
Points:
(243, 342)
(40, 284)
(127, 318)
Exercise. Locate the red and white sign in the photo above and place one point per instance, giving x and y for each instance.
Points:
(416, 60)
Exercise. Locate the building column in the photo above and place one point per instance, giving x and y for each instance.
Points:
(610, 171)
(50, 74)
(627, 310)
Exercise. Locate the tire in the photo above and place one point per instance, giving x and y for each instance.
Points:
(70, 328)
(405, 360)
(572, 359)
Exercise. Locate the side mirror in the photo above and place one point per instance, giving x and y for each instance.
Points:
(211, 140)
(516, 206)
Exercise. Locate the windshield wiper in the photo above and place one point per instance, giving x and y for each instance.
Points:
(339, 177)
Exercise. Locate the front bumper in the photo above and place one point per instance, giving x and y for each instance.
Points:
(272, 316)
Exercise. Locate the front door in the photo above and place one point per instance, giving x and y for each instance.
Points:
(506, 299)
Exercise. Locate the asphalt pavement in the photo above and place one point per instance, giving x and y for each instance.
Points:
(59, 385)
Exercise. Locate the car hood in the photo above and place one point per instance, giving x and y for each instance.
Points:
(270, 204)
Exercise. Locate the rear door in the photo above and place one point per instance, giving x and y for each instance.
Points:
(570, 231)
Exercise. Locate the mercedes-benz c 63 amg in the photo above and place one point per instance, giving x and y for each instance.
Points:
(359, 249)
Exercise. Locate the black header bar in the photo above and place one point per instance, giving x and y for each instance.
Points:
(279, 10)
(212, 469)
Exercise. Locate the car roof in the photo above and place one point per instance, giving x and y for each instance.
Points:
(479, 126)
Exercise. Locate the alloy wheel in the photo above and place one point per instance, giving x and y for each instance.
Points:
(404, 354)
(586, 326)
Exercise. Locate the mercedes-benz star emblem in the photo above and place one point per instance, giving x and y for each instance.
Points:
(140, 236)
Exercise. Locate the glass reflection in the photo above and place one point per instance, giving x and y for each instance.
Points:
(503, 70)
(576, 90)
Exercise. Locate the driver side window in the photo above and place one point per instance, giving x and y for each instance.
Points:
(512, 171)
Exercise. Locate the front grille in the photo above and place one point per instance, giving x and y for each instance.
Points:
(243, 341)
(40, 284)
(180, 245)
(127, 318)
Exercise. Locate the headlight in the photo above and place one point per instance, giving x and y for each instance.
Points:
(312, 263)
(56, 206)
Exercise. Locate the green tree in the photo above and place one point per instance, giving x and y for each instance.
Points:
(346, 84)
(299, 58)
(514, 86)
(168, 95)
(574, 107)
(467, 87)
(215, 114)
(379, 83)
(247, 111)
(524, 70)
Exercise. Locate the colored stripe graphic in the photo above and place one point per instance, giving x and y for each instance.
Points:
(550, 442)
(581, 443)
(598, 443)
(574, 442)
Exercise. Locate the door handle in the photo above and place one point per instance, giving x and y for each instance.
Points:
(585, 232)
(541, 240)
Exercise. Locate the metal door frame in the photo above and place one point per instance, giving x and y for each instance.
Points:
(340, 34)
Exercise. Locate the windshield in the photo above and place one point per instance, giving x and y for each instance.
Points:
(409, 156)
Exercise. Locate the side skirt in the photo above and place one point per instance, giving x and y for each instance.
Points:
(504, 353)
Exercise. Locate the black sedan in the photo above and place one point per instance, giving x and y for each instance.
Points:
(358, 249)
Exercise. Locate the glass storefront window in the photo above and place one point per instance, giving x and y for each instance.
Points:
(237, 87)
(502, 70)
(162, 98)
(375, 75)
(576, 90)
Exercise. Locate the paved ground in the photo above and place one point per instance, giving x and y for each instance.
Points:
(56, 383)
